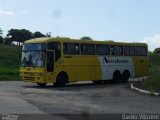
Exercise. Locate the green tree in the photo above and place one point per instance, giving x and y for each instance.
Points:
(38, 34)
(86, 38)
(157, 51)
(1, 39)
(7, 41)
(19, 35)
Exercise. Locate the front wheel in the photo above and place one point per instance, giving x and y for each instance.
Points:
(61, 80)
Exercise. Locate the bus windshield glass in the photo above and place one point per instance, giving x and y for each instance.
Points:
(34, 46)
(33, 55)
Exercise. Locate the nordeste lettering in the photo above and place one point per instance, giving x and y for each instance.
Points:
(117, 60)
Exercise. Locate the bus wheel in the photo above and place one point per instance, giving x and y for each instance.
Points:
(41, 84)
(61, 80)
(125, 76)
(117, 77)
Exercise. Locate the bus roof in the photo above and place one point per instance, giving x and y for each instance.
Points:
(65, 39)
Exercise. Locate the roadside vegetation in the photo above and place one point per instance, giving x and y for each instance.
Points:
(10, 55)
(9, 62)
(153, 82)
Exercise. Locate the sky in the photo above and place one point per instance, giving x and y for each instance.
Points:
(118, 20)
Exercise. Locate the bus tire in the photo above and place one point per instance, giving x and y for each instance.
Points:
(125, 76)
(62, 79)
(117, 77)
(41, 84)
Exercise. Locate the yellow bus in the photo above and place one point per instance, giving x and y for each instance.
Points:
(64, 60)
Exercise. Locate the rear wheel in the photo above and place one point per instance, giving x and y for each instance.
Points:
(117, 77)
(125, 76)
(61, 80)
(41, 84)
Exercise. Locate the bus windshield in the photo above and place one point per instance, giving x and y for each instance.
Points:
(33, 55)
(34, 46)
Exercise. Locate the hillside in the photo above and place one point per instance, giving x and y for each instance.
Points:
(9, 62)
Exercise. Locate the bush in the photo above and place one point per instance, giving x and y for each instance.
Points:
(9, 62)
(157, 51)
(153, 82)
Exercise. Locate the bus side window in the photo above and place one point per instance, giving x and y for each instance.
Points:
(102, 49)
(144, 51)
(132, 51)
(88, 49)
(55, 46)
(71, 48)
(126, 50)
(117, 50)
(141, 51)
(129, 50)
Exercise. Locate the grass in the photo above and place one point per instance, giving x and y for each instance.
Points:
(153, 82)
(9, 62)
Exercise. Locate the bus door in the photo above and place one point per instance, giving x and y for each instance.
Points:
(50, 61)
